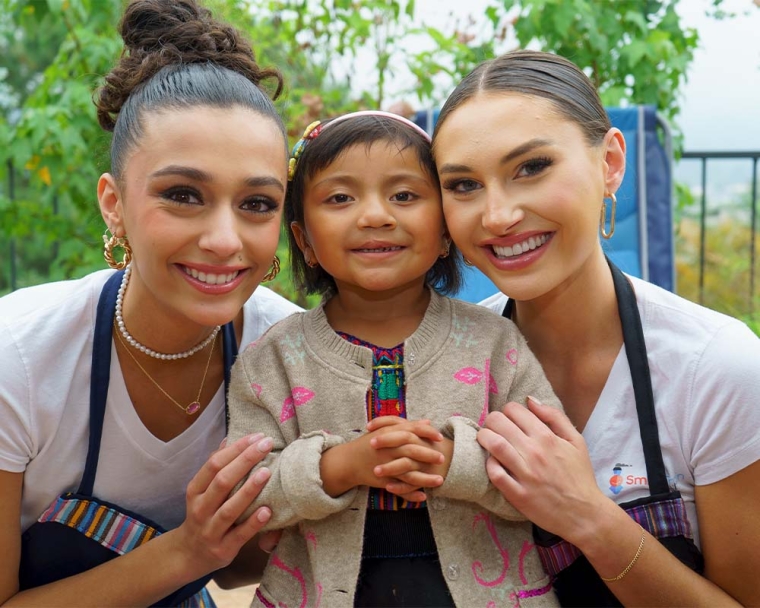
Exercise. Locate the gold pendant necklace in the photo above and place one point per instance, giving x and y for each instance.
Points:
(192, 408)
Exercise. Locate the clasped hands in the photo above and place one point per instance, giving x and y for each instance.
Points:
(402, 456)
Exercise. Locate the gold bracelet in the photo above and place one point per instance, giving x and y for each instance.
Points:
(633, 561)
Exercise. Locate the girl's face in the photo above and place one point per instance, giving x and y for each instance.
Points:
(200, 201)
(373, 219)
(523, 190)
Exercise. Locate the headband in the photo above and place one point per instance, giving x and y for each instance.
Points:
(315, 128)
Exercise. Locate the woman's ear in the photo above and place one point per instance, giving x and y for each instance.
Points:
(614, 159)
(111, 204)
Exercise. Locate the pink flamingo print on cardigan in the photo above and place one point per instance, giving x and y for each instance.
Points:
(256, 388)
(298, 396)
(477, 567)
(296, 574)
(472, 375)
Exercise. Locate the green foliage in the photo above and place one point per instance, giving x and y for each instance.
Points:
(727, 261)
(635, 51)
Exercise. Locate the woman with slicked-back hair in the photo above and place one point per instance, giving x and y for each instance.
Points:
(646, 491)
(114, 474)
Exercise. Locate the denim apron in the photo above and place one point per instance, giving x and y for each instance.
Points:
(79, 531)
(662, 513)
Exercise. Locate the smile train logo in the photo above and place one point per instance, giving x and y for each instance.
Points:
(616, 481)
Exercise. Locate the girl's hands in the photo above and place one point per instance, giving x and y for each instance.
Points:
(540, 463)
(209, 537)
(409, 474)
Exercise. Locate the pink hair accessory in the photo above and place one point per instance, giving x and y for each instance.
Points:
(315, 128)
(381, 114)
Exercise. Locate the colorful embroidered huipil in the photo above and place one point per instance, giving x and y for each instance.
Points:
(385, 398)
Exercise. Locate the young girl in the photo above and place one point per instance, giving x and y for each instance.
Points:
(385, 347)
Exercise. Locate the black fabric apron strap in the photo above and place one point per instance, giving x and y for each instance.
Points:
(636, 352)
(100, 377)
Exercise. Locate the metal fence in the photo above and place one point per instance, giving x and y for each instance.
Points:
(703, 157)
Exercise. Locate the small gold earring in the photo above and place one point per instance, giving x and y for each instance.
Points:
(112, 242)
(603, 218)
(273, 272)
(467, 262)
(446, 248)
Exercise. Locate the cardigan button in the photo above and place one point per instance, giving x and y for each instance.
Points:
(452, 572)
(438, 503)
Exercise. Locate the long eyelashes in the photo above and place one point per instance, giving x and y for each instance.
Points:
(186, 196)
(530, 168)
(182, 195)
(534, 166)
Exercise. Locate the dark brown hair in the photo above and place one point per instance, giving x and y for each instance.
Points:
(176, 55)
(542, 75)
(319, 153)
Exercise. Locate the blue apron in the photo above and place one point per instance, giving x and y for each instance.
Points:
(79, 531)
(662, 513)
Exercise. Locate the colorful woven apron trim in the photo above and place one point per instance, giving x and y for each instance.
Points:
(661, 519)
(108, 527)
(114, 530)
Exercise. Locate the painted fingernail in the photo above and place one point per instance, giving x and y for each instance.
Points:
(264, 515)
(534, 400)
(254, 438)
(262, 475)
(265, 444)
(223, 444)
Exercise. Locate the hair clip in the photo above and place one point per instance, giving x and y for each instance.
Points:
(309, 133)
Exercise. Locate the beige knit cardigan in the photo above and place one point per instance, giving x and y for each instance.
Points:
(305, 386)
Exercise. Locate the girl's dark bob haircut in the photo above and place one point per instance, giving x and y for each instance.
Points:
(446, 274)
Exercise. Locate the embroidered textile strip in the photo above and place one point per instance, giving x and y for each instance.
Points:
(662, 519)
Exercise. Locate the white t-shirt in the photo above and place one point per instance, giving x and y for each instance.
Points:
(46, 335)
(705, 369)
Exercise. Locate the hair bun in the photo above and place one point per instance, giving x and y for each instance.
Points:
(180, 27)
(158, 33)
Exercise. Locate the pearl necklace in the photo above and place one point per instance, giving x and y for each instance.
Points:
(142, 348)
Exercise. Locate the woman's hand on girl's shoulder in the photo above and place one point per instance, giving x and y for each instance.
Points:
(209, 538)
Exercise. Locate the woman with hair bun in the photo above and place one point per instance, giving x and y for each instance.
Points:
(114, 476)
(647, 490)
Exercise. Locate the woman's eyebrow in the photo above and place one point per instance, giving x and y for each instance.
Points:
(188, 172)
(201, 176)
(255, 182)
(538, 142)
(528, 146)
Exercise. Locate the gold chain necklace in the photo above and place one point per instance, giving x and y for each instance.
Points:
(193, 407)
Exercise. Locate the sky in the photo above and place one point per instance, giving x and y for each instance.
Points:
(720, 105)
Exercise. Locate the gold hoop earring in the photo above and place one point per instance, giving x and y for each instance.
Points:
(112, 242)
(273, 271)
(603, 218)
